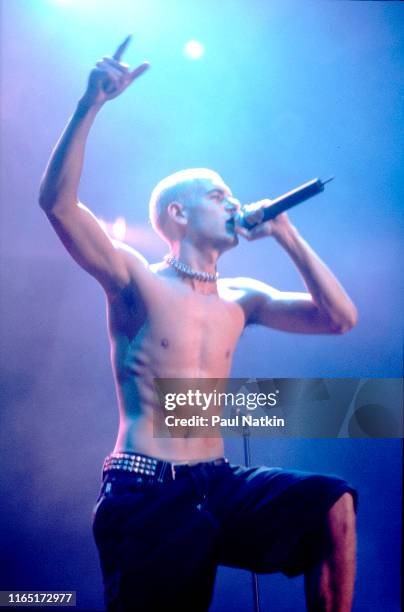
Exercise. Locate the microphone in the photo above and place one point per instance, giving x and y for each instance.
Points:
(284, 202)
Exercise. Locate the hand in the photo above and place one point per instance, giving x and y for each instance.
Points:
(278, 227)
(111, 77)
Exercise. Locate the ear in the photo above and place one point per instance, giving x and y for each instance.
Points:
(177, 213)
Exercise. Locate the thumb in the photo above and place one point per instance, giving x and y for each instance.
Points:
(139, 71)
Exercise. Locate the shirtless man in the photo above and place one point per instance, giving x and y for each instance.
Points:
(171, 509)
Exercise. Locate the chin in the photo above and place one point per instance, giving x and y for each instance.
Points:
(229, 243)
(234, 241)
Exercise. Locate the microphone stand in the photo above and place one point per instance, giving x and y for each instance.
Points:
(247, 463)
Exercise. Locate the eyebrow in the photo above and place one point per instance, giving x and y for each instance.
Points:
(219, 190)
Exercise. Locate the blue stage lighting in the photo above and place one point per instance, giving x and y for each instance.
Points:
(62, 2)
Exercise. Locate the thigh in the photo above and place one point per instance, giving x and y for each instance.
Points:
(275, 519)
(156, 548)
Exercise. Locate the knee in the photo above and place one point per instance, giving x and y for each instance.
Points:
(341, 517)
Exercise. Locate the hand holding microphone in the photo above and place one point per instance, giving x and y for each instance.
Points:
(253, 215)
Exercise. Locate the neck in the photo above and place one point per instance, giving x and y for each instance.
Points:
(198, 259)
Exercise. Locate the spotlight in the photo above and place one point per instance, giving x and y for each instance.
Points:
(119, 228)
(194, 49)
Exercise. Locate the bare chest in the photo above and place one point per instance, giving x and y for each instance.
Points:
(184, 328)
(196, 321)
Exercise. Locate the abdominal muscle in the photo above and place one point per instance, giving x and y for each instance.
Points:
(137, 436)
(142, 425)
(152, 355)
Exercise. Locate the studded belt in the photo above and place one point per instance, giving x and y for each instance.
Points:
(150, 466)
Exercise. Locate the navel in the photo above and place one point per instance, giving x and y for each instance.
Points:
(164, 343)
(227, 353)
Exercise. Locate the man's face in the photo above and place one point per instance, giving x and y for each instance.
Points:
(211, 215)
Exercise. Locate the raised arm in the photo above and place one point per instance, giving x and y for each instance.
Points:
(76, 226)
(324, 309)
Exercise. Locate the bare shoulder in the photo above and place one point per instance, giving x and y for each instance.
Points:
(247, 292)
(242, 287)
(135, 262)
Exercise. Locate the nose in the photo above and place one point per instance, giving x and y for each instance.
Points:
(233, 205)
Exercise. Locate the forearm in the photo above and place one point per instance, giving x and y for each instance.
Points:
(61, 179)
(327, 293)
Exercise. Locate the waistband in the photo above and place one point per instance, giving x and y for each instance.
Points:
(162, 471)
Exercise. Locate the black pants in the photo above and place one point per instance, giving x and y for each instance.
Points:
(160, 543)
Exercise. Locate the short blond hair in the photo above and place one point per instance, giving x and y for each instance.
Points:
(179, 187)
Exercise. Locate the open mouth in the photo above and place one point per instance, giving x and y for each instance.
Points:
(231, 224)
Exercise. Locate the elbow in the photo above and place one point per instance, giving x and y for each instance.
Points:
(46, 200)
(43, 198)
(345, 323)
(51, 193)
(43, 203)
(50, 199)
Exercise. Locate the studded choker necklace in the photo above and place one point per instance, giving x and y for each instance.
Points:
(185, 270)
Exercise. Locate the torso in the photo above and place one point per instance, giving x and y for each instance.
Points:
(167, 328)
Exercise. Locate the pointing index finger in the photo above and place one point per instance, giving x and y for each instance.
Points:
(122, 47)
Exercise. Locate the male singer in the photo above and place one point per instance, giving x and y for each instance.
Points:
(172, 508)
